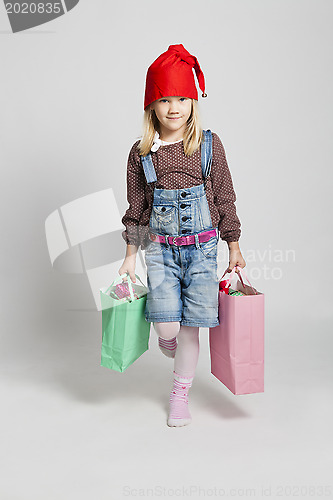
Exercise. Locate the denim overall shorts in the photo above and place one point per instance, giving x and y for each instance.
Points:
(182, 279)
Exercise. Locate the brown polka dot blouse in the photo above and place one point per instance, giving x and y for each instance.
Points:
(174, 170)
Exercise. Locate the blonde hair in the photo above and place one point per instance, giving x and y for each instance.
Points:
(192, 136)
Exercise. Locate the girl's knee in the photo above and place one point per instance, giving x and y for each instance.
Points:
(188, 334)
(167, 330)
(189, 330)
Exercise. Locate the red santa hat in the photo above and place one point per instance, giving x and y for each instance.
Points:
(171, 74)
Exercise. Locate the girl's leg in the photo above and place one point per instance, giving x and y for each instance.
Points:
(167, 333)
(167, 330)
(186, 360)
(187, 354)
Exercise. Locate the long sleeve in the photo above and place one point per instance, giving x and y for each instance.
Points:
(224, 194)
(135, 232)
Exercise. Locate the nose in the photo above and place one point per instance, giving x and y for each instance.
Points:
(173, 108)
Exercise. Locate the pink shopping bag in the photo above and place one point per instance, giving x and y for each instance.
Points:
(237, 343)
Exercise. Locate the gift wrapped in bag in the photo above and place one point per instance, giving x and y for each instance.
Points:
(237, 343)
(125, 332)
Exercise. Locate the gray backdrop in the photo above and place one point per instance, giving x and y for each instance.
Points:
(71, 107)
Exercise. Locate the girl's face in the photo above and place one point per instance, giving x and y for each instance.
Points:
(172, 113)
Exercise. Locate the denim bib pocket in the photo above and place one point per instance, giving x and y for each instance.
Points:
(164, 214)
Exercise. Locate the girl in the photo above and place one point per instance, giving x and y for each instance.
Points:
(177, 218)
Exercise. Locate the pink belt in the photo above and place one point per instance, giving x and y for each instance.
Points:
(184, 240)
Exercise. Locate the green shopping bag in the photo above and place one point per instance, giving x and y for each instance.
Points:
(125, 331)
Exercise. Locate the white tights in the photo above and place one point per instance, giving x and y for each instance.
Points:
(187, 353)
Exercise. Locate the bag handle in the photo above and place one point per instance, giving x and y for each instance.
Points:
(120, 279)
(240, 277)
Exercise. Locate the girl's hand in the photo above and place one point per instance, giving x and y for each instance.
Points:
(235, 257)
(128, 266)
(129, 263)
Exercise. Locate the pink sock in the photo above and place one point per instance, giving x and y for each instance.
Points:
(168, 347)
(167, 333)
(179, 413)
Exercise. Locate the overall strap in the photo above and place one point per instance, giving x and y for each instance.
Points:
(206, 154)
(206, 159)
(148, 168)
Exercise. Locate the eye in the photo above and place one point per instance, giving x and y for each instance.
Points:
(183, 98)
(163, 100)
